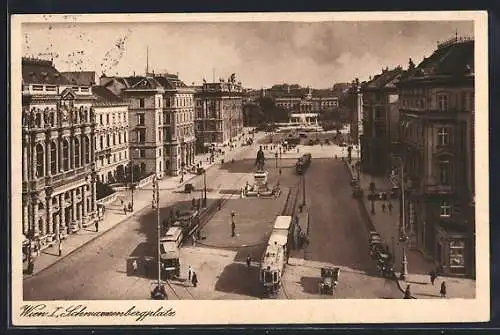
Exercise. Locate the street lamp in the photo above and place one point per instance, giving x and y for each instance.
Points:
(403, 236)
(204, 202)
(132, 186)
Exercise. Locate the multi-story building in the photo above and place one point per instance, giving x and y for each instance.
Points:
(219, 113)
(178, 124)
(437, 117)
(161, 122)
(111, 144)
(58, 170)
(296, 99)
(380, 136)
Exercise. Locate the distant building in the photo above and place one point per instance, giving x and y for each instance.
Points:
(437, 121)
(380, 136)
(112, 147)
(296, 99)
(219, 113)
(161, 119)
(58, 169)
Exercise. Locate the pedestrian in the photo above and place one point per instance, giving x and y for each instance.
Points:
(442, 291)
(383, 207)
(433, 276)
(97, 226)
(60, 247)
(407, 292)
(233, 228)
(121, 201)
(31, 267)
(389, 206)
(194, 279)
(130, 207)
(125, 210)
(193, 202)
(190, 272)
(249, 261)
(194, 240)
(134, 266)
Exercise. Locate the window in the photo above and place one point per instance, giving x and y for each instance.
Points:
(102, 142)
(444, 172)
(457, 249)
(443, 102)
(107, 140)
(65, 155)
(445, 209)
(39, 160)
(140, 119)
(125, 137)
(141, 102)
(142, 153)
(141, 135)
(77, 153)
(114, 139)
(100, 119)
(443, 136)
(53, 157)
(86, 146)
(107, 119)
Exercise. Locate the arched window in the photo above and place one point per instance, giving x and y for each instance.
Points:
(86, 144)
(40, 161)
(53, 158)
(77, 153)
(65, 155)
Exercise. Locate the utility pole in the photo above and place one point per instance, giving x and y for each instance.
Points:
(404, 237)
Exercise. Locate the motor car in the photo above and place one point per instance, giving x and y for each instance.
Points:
(188, 188)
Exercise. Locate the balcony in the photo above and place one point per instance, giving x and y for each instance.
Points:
(67, 176)
(437, 189)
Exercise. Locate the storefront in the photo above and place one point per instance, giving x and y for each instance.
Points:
(451, 248)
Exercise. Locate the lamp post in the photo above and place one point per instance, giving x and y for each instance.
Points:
(402, 218)
(204, 202)
(132, 186)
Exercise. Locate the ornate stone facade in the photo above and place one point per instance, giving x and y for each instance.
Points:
(58, 170)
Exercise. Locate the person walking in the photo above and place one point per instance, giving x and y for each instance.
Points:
(383, 207)
(194, 279)
(407, 292)
(125, 210)
(190, 273)
(233, 225)
(433, 276)
(134, 266)
(442, 291)
(389, 206)
(97, 226)
(249, 261)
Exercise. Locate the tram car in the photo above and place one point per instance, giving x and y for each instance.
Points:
(170, 246)
(303, 163)
(283, 228)
(188, 221)
(272, 266)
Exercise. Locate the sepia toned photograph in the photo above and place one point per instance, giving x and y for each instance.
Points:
(246, 162)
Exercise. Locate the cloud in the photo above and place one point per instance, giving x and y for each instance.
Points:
(260, 53)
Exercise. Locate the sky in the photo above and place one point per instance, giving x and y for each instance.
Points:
(261, 54)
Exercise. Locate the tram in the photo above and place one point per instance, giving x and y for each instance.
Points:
(275, 257)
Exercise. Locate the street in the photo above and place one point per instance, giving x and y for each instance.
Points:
(338, 237)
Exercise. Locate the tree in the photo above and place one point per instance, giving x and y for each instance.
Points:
(271, 112)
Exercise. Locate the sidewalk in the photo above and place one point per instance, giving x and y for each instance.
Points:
(387, 225)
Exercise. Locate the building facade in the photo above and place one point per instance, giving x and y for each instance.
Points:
(437, 118)
(219, 113)
(111, 144)
(380, 136)
(58, 170)
(161, 122)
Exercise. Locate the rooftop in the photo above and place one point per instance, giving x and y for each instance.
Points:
(38, 71)
(103, 95)
(83, 78)
(452, 58)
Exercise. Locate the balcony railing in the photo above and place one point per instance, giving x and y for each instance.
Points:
(69, 174)
(438, 189)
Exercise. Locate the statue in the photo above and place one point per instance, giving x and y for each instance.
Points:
(259, 162)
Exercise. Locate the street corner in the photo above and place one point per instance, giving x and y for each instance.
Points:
(421, 287)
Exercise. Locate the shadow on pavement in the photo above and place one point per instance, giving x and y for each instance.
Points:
(230, 191)
(255, 252)
(238, 279)
(310, 284)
